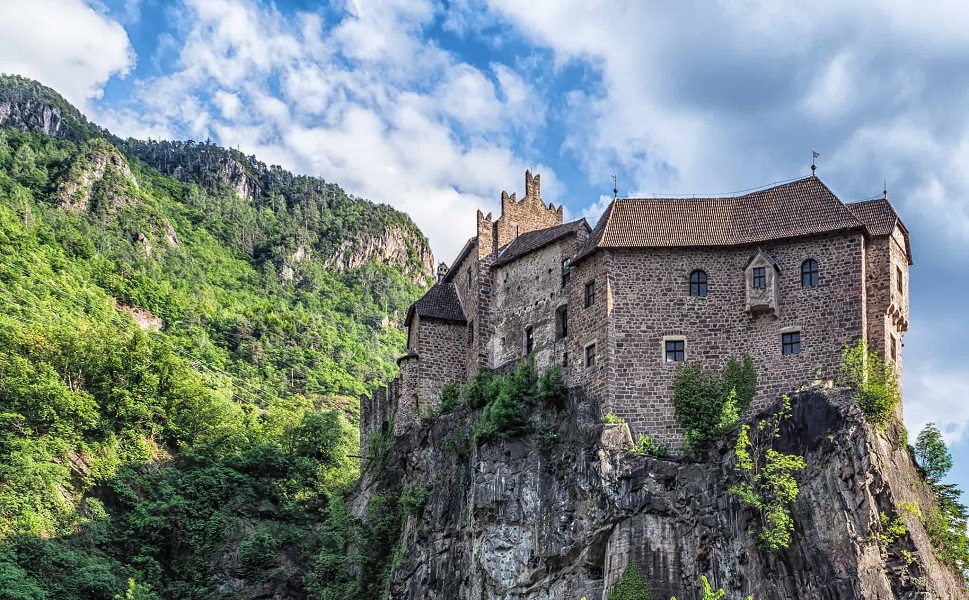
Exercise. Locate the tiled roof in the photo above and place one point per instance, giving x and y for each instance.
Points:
(795, 209)
(440, 302)
(533, 240)
(878, 215)
(880, 219)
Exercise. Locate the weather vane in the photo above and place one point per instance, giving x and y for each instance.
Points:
(814, 156)
(615, 187)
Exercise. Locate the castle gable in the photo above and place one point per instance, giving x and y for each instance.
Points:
(880, 219)
(535, 240)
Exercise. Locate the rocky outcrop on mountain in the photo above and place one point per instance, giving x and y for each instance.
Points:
(31, 116)
(392, 246)
(99, 165)
(562, 513)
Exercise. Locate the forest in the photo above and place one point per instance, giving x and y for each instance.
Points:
(180, 361)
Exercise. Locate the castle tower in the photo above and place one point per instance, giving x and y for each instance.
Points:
(518, 217)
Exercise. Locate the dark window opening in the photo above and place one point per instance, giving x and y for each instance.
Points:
(894, 349)
(529, 340)
(698, 284)
(562, 322)
(590, 293)
(898, 280)
(469, 279)
(566, 271)
(809, 273)
(590, 355)
(675, 351)
(470, 333)
(791, 343)
(760, 278)
(565, 359)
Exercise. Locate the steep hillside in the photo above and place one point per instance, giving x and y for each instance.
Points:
(184, 333)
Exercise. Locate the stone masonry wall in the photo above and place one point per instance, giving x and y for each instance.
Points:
(528, 293)
(888, 309)
(652, 301)
(443, 345)
(530, 214)
(590, 325)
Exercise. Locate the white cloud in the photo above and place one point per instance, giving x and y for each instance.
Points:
(65, 44)
(937, 395)
(365, 102)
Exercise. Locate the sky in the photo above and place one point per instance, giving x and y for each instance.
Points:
(435, 107)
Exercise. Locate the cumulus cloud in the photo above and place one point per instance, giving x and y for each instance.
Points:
(364, 100)
(65, 44)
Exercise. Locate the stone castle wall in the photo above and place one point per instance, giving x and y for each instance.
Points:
(652, 303)
(529, 214)
(528, 293)
(888, 308)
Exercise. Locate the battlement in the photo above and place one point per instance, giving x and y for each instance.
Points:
(517, 217)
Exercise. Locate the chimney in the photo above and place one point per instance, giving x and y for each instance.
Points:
(441, 272)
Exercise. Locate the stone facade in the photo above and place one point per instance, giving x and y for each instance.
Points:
(528, 282)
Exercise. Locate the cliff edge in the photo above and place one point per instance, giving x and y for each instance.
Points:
(561, 512)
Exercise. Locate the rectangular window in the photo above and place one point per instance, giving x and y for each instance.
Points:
(590, 293)
(470, 333)
(565, 359)
(898, 280)
(675, 351)
(760, 277)
(791, 343)
(562, 322)
(590, 356)
(894, 349)
(566, 271)
(529, 340)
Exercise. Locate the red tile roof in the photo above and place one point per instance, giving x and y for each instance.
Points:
(799, 208)
(880, 219)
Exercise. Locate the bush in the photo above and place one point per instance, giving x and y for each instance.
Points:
(873, 380)
(645, 446)
(611, 419)
(707, 591)
(707, 403)
(504, 416)
(449, 398)
(413, 498)
(767, 480)
(482, 389)
(932, 454)
(631, 586)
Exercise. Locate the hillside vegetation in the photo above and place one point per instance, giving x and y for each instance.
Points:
(182, 346)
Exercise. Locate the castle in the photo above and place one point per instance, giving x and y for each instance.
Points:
(790, 274)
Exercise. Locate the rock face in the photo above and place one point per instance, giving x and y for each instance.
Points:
(393, 246)
(31, 115)
(98, 165)
(560, 514)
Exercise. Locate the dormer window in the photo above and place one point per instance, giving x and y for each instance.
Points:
(760, 278)
(809, 273)
(698, 284)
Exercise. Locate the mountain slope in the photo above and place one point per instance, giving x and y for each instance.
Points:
(184, 333)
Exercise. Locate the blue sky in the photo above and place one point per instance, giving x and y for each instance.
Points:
(436, 106)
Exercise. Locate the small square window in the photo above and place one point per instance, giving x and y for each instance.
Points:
(590, 293)
(791, 343)
(529, 340)
(675, 351)
(590, 356)
(760, 278)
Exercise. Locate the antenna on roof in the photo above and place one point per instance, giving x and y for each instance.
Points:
(885, 190)
(615, 187)
(814, 156)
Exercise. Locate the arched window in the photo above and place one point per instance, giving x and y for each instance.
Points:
(698, 284)
(809, 273)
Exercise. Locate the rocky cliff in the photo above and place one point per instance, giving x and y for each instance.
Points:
(559, 514)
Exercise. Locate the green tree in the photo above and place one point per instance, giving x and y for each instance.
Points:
(932, 454)
(707, 590)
